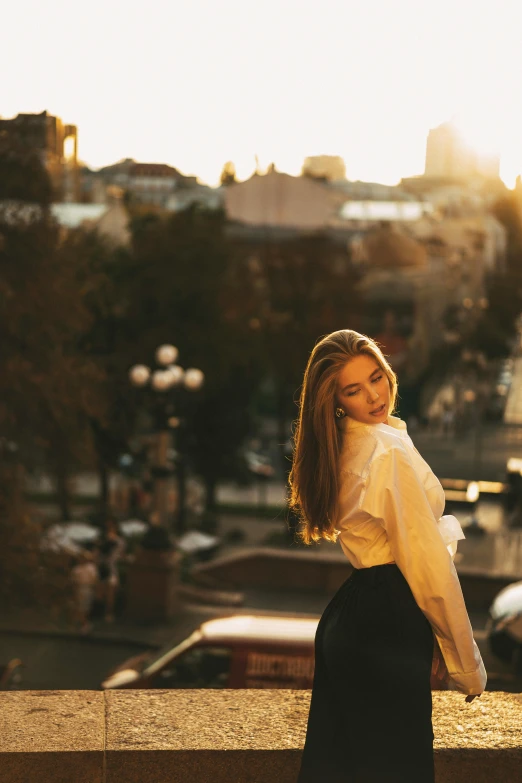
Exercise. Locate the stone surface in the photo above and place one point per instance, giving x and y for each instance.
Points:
(52, 736)
(193, 719)
(481, 741)
(490, 722)
(226, 736)
(257, 736)
(201, 735)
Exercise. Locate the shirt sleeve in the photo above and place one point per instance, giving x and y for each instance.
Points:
(395, 496)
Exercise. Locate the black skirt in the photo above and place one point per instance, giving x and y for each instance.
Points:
(370, 711)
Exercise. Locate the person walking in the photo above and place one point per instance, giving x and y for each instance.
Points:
(399, 620)
(110, 551)
(84, 578)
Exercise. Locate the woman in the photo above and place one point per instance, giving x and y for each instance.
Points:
(357, 477)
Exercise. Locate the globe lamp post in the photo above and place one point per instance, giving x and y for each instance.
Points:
(169, 382)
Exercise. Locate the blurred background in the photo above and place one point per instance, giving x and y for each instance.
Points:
(190, 196)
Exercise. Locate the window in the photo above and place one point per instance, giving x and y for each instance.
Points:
(199, 667)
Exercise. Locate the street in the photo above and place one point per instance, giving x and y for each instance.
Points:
(54, 662)
(65, 661)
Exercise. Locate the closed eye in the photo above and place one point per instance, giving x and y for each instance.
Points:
(375, 380)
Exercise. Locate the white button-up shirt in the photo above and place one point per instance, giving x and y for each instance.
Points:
(390, 507)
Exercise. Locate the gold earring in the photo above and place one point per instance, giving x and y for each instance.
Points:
(339, 413)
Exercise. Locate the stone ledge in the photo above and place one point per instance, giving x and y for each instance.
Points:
(245, 736)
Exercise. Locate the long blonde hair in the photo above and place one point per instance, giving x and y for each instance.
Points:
(313, 479)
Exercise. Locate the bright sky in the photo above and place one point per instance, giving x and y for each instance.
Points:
(195, 83)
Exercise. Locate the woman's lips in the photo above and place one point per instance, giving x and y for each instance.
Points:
(379, 410)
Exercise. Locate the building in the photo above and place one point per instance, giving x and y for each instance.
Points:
(372, 191)
(282, 201)
(327, 167)
(448, 155)
(452, 196)
(144, 183)
(57, 146)
(365, 214)
(110, 220)
(200, 195)
(418, 260)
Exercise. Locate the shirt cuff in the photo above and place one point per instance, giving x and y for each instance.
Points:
(451, 532)
(472, 682)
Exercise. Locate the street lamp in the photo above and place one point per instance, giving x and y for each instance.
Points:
(169, 377)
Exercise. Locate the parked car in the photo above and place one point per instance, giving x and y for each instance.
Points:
(239, 651)
(504, 627)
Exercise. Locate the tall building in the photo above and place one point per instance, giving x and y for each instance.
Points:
(57, 146)
(448, 155)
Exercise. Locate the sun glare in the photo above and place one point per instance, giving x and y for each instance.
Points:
(486, 135)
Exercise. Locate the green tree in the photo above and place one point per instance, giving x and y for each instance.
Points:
(102, 272)
(303, 287)
(48, 389)
(184, 283)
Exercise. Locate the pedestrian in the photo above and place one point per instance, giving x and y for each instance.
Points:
(400, 616)
(84, 578)
(110, 552)
(448, 419)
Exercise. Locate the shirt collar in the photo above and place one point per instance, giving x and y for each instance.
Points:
(398, 426)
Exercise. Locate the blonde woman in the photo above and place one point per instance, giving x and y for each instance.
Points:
(400, 618)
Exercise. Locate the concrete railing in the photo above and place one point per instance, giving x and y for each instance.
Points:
(253, 736)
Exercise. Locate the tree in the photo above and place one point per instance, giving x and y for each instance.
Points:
(504, 287)
(102, 274)
(303, 287)
(228, 174)
(183, 285)
(48, 389)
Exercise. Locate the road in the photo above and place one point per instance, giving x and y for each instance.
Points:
(58, 663)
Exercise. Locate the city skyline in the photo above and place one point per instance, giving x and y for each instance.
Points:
(198, 86)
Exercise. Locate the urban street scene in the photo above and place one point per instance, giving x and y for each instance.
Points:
(193, 202)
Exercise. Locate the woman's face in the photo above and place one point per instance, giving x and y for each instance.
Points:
(363, 390)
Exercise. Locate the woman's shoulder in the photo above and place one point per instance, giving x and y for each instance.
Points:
(362, 448)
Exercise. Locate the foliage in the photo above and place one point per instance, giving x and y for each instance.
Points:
(103, 276)
(31, 578)
(303, 287)
(183, 283)
(504, 288)
(49, 389)
(228, 174)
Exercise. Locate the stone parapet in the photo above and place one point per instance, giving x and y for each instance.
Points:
(245, 736)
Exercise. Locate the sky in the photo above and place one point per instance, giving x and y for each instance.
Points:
(195, 83)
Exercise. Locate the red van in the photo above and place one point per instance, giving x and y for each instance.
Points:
(239, 651)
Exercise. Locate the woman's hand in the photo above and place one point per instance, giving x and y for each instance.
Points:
(439, 673)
